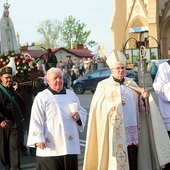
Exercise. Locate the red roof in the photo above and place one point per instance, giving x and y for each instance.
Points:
(34, 53)
(81, 53)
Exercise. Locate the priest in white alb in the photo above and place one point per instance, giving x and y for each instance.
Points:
(54, 125)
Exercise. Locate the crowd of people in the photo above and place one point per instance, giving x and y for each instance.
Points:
(124, 126)
(74, 69)
(118, 119)
(111, 127)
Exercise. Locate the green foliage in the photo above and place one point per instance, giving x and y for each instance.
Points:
(55, 34)
(50, 32)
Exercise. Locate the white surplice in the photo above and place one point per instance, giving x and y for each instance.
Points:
(51, 123)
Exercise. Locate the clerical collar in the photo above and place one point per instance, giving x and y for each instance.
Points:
(63, 91)
(119, 81)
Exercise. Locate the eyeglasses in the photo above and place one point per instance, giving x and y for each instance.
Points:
(119, 68)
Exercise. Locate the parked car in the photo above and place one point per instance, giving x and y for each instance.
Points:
(90, 81)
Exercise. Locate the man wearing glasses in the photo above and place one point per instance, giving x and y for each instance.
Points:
(11, 109)
(118, 137)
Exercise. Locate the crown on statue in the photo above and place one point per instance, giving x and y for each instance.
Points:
(6, 5)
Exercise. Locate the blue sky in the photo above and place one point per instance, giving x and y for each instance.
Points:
(96, 14)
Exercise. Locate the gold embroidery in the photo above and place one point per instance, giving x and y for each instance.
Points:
(121, 157)
(116, 120)
(113, 96)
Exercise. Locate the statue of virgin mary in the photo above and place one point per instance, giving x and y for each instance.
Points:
(8, 37)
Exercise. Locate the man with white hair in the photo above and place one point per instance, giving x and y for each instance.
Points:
(117, 134)
(54, 126)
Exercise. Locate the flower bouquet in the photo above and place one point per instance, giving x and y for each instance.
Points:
(23, 68)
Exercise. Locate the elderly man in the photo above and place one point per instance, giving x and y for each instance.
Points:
(11, 105)
(54, 126)
(117, 135)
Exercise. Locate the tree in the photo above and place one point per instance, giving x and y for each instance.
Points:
(51, 32)
(55, 34)
(73, 32)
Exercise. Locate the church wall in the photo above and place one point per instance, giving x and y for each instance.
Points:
(168, 14)
(119, 24)
(141, 13)
(165, 38)
(153, 22)
(138, 13)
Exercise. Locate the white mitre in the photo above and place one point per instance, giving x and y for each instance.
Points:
(115, 58)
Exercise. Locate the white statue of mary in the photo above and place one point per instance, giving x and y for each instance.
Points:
(8, 37)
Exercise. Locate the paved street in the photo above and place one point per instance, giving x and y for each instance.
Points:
(28, 162)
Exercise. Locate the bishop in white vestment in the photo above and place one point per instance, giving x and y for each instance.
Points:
(121, 133)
